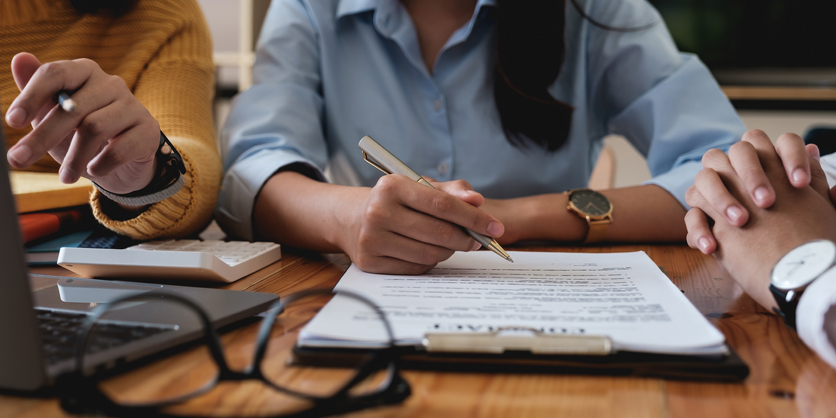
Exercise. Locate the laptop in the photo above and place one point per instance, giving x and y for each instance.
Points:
(31, 359)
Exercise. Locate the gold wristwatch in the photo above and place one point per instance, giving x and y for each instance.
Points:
(595, 208)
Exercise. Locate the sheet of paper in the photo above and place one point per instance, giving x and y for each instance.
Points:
(621, 295)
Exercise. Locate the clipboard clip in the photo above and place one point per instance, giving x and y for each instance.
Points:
(536, 342)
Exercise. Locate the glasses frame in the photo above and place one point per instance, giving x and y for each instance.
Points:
(80, 394)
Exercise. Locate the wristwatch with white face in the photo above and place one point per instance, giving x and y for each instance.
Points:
(795, 271)
(595, 208)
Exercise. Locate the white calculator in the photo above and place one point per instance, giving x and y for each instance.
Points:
(217, 261)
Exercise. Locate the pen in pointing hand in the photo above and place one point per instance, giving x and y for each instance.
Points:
(384, 161)
(65, 101)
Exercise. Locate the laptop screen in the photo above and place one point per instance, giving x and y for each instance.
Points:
(21, 362)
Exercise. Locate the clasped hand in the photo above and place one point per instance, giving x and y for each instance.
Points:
(764, 201)
(110, 137)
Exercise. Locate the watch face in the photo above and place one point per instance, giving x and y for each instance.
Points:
(803, 264)
(590, 202)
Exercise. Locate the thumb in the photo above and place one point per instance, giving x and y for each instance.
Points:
(24, 66)
(818, 180)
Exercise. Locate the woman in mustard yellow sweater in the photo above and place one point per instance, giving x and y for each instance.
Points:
(161, 52)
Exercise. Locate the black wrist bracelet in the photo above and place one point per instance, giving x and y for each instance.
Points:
(167, 181)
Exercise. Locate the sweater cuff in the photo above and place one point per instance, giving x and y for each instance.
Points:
(161, 219)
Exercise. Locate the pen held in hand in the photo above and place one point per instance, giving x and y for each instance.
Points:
(379, 157)
(65, 101)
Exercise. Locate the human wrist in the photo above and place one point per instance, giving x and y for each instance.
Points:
(154, 173)
(345, 218)
(167, 179)
(545, 217)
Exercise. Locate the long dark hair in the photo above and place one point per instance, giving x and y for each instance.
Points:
(112, 7)
(530, 49)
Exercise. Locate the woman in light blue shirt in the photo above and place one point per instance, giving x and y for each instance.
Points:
(423, 77)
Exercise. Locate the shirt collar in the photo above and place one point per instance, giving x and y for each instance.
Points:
(349, 7)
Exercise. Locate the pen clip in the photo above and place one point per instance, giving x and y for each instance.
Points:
(374, 163)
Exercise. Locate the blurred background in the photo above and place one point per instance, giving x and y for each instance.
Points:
(775, 59)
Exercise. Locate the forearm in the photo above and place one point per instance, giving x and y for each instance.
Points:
(176, 86)
(398, 226)
(645, 214)
(295, 210)
(640, 214)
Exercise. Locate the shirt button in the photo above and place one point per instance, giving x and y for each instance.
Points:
(443, 168)
(437, 104)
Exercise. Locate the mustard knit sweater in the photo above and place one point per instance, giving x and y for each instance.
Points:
(163, 51)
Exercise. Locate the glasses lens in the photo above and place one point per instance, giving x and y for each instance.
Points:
(166, 322)
(320, 372)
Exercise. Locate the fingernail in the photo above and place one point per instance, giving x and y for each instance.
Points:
(734, 213)
(495, 229)
(799, 175)
(704, 243)
(761, 193)
(475, 246)
(16, 117)
(21, 155)
(816, 153)
(66, 175)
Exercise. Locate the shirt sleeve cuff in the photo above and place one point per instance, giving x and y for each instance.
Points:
(243, 182)
(828, 164)
(816, 301)
(678, 180)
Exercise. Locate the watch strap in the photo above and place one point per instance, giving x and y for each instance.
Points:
(168, 179)
(787, 304)
(597, 229)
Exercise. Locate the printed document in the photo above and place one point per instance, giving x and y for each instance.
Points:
(621, 295)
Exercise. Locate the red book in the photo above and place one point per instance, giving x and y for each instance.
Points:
(42, 224)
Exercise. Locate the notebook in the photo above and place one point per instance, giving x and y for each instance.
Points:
(41, 191)
(28, 363)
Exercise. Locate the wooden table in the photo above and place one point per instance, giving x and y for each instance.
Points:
(779, 93)
(786, 378)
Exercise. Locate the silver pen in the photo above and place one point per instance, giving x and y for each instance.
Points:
(384, 161)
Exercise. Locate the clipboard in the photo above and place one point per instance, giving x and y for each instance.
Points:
(675, 341)
(495, 352)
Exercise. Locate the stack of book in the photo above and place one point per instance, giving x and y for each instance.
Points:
(51, 214)
(44, 191)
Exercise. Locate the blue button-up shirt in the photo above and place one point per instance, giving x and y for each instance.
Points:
(328, 72)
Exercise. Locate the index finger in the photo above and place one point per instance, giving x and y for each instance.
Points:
(44, 84)
(790, 147)
(463, 190)
(451, 209)
(768, 155)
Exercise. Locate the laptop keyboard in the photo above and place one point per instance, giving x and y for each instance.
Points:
(60, 331)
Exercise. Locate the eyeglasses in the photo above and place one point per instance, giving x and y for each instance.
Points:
(187, 386)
